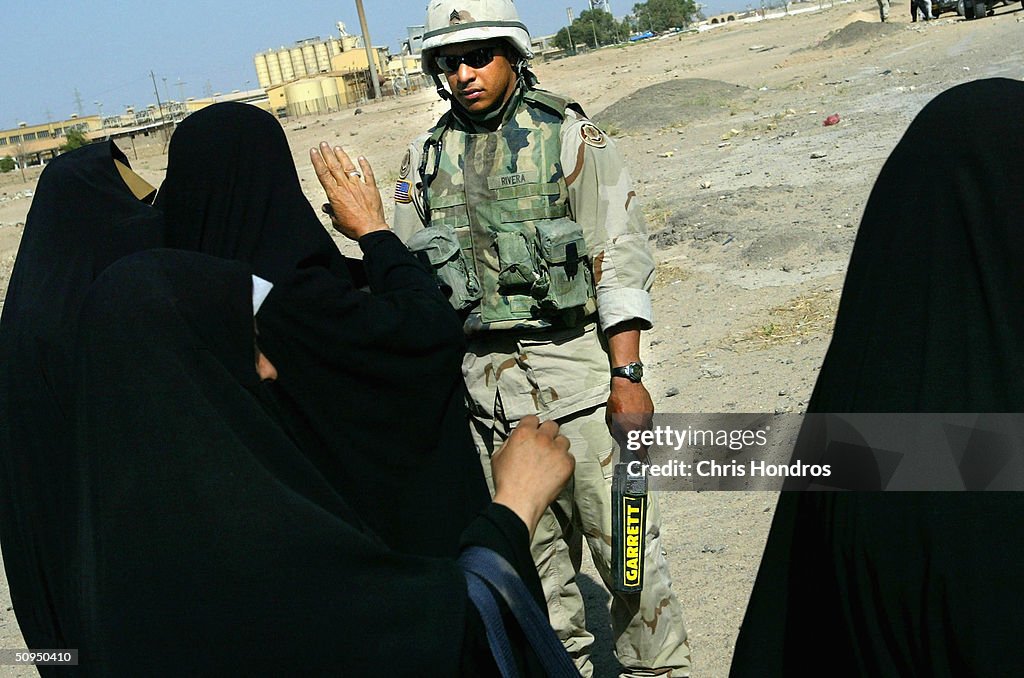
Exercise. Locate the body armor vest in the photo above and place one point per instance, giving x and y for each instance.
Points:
(499, 232)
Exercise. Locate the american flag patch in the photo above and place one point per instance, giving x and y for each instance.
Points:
(402, 194)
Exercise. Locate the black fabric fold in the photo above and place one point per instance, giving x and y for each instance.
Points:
(922, 583)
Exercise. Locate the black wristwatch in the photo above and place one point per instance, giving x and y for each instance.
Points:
(633, 371)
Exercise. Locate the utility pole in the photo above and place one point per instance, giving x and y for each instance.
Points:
(593, 24)
(181, 89)
(572, 46)
(78, 102)
(170, 104)
(160, 106)
(405, 74)
(19, 150)
(369, 49)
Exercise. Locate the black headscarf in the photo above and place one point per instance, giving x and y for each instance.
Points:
(931, 320)
(83, 217)
(232, 191)
(369, 385)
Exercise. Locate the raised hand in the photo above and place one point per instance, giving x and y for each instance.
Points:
(354, 203)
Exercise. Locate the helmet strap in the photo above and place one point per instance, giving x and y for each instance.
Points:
(441, 91)
(526, 76)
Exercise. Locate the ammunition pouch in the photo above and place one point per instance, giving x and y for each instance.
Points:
(566, 271)
(518, 272)
(439, 247)
(552, 270)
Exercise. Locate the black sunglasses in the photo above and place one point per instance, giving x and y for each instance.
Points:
(478, 58)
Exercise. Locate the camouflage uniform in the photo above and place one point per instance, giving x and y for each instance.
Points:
(548, 164)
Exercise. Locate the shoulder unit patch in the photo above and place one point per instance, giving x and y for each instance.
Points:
(592, 136)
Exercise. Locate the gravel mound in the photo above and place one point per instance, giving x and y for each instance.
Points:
(858, 32)
(670, 103)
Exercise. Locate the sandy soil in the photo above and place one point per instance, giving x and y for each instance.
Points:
(752, 205)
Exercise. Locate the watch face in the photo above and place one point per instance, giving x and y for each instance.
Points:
(633, 371)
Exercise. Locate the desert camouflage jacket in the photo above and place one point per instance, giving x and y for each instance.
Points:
(600, 199)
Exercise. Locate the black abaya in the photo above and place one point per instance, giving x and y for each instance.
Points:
(369, 385)
(925, 583)
(83, 217)
(211, 545)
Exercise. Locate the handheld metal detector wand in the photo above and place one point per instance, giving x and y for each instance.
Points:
(629, 522)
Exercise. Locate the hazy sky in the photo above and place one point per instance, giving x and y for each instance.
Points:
(107, 49)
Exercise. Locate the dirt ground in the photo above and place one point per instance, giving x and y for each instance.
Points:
(752, 205)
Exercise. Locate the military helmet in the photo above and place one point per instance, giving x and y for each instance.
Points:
(450, 22)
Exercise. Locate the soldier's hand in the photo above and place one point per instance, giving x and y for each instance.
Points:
(531, 468)
(630, 408)
(354, 203)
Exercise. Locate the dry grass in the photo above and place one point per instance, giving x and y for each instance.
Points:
(666, 274)
(656, 215)
(812, 315)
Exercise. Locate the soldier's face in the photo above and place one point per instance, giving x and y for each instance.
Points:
(482, 89)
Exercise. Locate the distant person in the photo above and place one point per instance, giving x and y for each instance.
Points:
(922, 9)
(527, 212)
(931, 321)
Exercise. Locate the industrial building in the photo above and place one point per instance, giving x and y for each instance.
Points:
(316, 76)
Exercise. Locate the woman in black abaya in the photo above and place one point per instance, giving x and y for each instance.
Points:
(369, 385)
(931, 320)
(84, 217)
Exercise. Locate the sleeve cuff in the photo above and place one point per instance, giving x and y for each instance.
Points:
(617, 306)
(371, 240)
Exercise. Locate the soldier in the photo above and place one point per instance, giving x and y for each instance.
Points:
(525, 211)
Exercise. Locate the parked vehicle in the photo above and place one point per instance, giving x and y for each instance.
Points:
(941, 6)
(975, 9)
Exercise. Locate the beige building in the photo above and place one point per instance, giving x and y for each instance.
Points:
(35, 144)
(405, 71)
